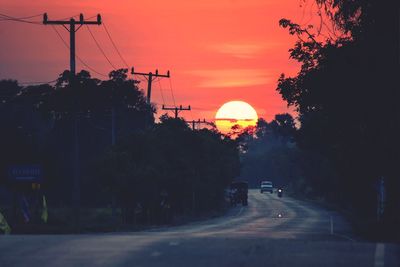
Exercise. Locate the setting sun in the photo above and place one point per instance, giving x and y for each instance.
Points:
(235, 113)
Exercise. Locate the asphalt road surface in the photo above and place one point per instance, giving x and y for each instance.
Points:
(270, 231)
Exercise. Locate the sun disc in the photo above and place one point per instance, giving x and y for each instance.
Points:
(235, 113)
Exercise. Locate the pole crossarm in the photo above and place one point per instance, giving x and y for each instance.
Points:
(176, 109)
(150, 78)
(198, 122)
(156, 74)
(81, 21)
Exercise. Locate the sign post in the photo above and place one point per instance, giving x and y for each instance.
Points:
(381, 198)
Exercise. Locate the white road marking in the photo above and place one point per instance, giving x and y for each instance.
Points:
(155, 254)
(379, 255)
(173, 243)
(331, 226)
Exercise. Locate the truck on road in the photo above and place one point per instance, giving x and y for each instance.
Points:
(238, 193)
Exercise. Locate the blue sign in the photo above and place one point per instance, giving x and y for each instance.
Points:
(25, 173)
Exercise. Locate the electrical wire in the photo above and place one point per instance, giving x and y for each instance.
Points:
(172, 91)
(137, 79)
(191, 115)
(113, 43)
(101, 49)
(7, 17)
(304, 7)
(80, 60)
(92, 17)
(70, 17)
(140, 79)
(26, 17)
(161, 91)
(23, 20)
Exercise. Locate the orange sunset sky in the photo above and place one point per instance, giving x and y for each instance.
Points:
(216, 50)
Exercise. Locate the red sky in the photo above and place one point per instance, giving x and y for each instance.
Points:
(216, 50)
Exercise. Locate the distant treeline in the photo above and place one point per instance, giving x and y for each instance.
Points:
(145, 171)
(270, 152)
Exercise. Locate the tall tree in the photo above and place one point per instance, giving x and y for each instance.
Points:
(346, 94)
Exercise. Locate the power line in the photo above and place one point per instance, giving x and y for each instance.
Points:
(191, 115)
(80, 59)
(139, 79)
(101, 49)
(23, 20)
(113, 43)
(70, 17)
(161, 91)
(26, 17)
(92, 17)
(172, 92)
(7, 17)
(10, 17)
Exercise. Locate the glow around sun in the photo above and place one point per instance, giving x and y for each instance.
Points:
(235, 113)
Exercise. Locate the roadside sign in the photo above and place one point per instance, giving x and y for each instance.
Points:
(381, 197)
(25, 173)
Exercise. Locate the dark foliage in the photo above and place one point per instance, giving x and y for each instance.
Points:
(346, 95)
(148, 171)
(37, 125)
(169, 168)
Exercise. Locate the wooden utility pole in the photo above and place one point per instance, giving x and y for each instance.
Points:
(72, 23)
(72, 30)
(176, 109)
(198, 122)
(150, 78)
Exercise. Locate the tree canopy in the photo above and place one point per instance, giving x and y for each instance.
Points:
(346, 93)
(125, 158)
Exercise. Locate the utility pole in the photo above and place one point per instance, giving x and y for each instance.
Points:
(150, 77)
(72, 30)
(76, 194)
(176, 109)
(198, 122)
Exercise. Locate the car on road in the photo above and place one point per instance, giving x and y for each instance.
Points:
(266, 186)
(238, 193)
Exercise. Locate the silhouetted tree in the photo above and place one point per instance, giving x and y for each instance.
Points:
(346, 93)
(170, 163)
(38, 125)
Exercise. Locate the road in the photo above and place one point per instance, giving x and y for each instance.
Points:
(270, 231)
